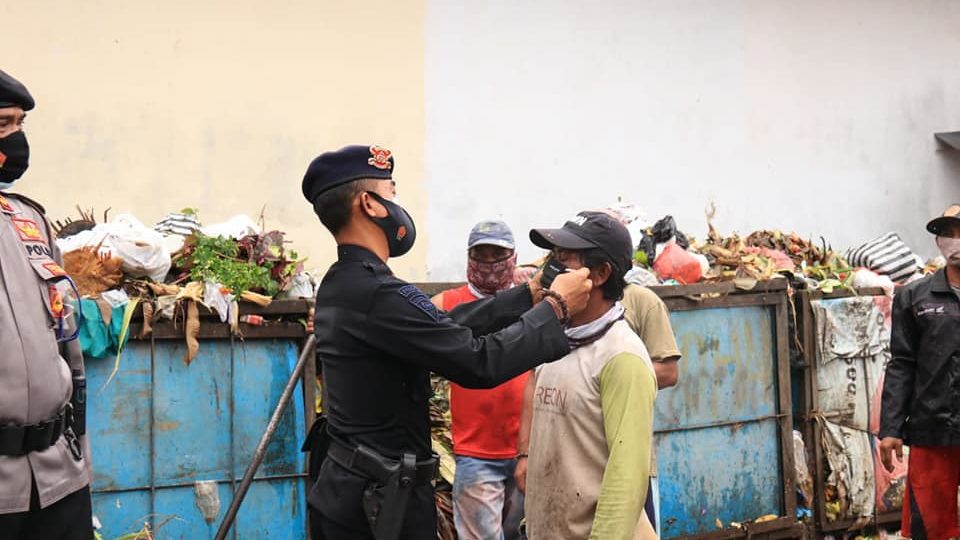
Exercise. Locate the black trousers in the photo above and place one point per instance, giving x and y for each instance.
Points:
(322, 528)
(70, 518)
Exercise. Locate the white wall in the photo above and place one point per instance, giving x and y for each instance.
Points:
(809, 116)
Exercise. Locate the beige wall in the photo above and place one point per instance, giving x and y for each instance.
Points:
(220, 105)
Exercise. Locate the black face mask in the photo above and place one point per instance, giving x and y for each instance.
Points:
(14, 157)
(398, 226)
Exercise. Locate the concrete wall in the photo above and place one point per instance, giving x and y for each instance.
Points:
(811, 116)
(219, 105)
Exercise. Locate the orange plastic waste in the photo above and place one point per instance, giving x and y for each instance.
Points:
(676, 263)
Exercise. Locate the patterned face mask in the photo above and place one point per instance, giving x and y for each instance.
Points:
(491, 277)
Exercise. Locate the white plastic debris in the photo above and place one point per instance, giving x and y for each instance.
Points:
(116, 297)
(216, 300)
(208, 499)
(236, 227)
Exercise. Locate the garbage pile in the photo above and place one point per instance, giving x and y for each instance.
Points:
(121, 266)
(665, 255)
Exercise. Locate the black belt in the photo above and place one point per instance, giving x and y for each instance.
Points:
(371, 465)
(21, 440)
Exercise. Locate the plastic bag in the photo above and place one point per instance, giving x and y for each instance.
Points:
(886, 255)
(864, 278)
(178, 224)
(302, 286)
(236, 227)
(677, 263)
(656, 239)
(641, 276)
(802, 472)
(142, 249)
(632, 217)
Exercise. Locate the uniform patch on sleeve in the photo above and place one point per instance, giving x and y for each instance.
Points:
(419, 300)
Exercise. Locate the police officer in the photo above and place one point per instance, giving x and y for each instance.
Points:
(378, 339)
(44, 465)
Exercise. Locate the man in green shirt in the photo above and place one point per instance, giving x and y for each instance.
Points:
(592, 411)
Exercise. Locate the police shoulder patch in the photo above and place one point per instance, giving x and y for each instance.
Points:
(419, 300)
(27, 200)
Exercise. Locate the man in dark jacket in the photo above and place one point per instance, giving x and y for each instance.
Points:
(921, 392)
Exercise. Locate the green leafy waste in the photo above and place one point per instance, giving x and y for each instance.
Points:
(217, 259)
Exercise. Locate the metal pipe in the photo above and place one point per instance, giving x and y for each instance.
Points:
(724, 423)
(231, 406)
(261, 451)
(132, 489)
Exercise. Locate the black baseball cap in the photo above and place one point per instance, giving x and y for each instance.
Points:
(589, 230)
(950, 216)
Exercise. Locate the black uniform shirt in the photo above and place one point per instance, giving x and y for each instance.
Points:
(378, 339)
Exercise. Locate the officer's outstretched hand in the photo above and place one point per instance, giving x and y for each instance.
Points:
(574, 287)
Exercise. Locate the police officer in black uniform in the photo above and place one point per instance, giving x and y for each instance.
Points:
(378, 339)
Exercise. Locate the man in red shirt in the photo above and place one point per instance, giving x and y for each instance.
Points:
(486, 502)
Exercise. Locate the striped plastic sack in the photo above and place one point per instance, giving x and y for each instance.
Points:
(887, 256)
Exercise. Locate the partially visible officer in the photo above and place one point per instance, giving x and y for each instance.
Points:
(44, 460)
(378, 339)
(920, 406)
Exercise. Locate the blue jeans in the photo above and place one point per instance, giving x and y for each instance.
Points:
(486, 502)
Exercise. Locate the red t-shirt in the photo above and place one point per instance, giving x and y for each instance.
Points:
(485, 423)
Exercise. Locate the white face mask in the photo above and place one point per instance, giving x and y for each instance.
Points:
(950, 249)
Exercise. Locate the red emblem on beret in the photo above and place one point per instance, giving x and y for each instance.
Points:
(380, 158)
(3, 159)
(401, 233)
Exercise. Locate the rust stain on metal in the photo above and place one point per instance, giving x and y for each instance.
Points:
(166, 426)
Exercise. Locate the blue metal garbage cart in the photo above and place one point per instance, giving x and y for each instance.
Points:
(723, 435)
(161, 426)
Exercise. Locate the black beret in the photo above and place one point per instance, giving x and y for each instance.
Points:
(13, 93)
(349, 163)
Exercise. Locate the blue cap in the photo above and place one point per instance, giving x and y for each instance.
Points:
(491, 233)
(347, 164)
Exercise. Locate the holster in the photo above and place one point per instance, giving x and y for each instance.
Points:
(387, 493)
(385, 505)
